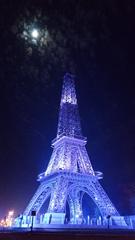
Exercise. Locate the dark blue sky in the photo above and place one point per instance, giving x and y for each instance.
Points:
(96, 41)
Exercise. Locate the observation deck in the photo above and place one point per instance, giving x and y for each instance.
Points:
(74, 138)
(68, 174)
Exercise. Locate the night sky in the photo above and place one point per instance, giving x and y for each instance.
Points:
(95, 40)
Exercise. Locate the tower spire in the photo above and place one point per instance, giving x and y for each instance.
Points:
(69, 120)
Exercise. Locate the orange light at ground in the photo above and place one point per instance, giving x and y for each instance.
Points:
(9, 219)
(7, 222)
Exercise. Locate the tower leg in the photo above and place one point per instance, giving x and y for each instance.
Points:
(56, 210)
(77, 214)
(38, 199)
(104, 204)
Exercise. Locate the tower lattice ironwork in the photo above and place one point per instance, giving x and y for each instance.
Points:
(69, 173)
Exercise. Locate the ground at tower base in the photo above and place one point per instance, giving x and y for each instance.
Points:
(60, 234)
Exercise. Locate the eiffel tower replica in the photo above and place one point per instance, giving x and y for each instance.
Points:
(69, 173)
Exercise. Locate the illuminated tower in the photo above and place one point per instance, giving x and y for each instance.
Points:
(69, 173)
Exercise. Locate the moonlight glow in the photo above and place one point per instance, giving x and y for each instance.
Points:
(35, 33)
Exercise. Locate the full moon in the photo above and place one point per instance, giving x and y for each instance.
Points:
(35, 33)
